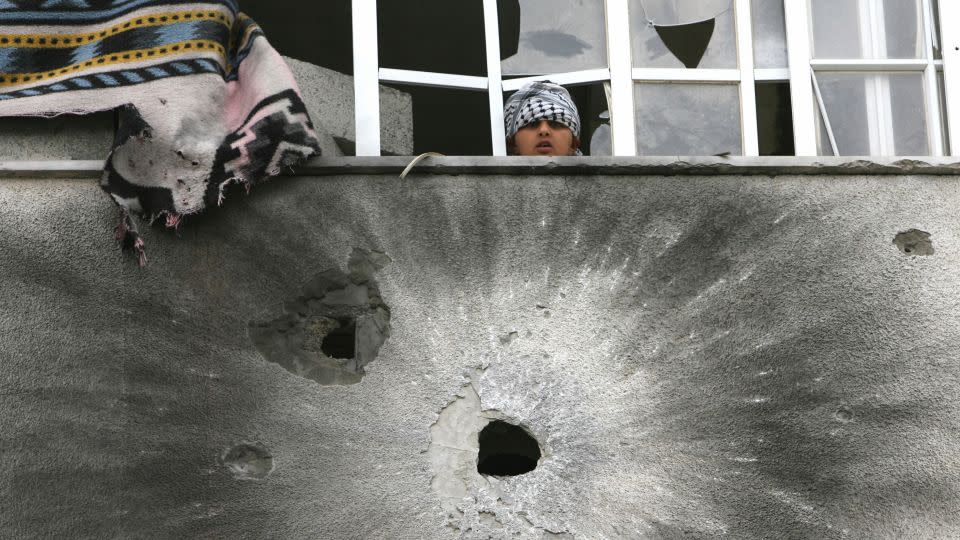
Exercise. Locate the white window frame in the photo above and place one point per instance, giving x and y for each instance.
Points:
(622, 76)
(807, 103)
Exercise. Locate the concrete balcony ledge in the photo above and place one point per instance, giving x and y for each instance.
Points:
(514, 165)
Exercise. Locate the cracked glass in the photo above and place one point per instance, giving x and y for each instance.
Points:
(688, 119)
(555, 36)
(868, 29)
(769, 34)
(716, 41)
(874, 114)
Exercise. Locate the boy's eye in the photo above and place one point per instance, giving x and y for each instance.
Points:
(556, 125)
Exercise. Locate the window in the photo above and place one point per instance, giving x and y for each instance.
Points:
(696, 77)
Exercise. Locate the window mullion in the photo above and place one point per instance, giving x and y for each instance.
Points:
(950, 45)
(366, 83)
(797, 16)
(491, 27)
(622, 120)
(748, 94)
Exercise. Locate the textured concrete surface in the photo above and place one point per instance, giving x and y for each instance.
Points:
(329, 98)
(61, 137)
(748, 357)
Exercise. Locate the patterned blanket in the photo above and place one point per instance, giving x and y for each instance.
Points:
(204, 101)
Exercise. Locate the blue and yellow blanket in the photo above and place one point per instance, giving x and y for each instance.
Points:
(204, 100)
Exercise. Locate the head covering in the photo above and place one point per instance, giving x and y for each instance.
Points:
(538, 101)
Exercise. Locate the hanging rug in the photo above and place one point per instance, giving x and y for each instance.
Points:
(203, 100)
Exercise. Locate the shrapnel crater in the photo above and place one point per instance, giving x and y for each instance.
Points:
(335, 328)
(914, 242)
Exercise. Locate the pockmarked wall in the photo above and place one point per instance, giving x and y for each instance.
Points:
(749, 356)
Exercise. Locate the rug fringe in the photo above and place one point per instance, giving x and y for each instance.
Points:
(127, 236)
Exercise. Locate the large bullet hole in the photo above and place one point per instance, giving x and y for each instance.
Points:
(334, 329)
(341, 341)
(506, 450)
(247, 461)
(914, 242)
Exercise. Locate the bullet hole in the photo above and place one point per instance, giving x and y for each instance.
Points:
(506, 450)
(914, 243)
(507, 339)
(843, 415)
(334, 329)
(247, 461)
(340, 342)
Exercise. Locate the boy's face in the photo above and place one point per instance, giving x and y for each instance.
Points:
(545, 138)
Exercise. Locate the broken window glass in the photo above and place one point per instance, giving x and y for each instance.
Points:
(551, 36)
(774, 119)
(868, 29)
(681, 12)
(769, 34)
(706, 38)
(874, 114)
(687, 119)
(432, 35)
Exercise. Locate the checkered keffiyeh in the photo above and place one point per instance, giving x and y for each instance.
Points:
(538, 101)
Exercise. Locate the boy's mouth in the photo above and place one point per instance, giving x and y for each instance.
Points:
(544, 145)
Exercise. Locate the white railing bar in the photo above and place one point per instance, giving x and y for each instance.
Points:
(428, 78)
(796, 16)
(932, 87)
(823, 113)
(771, 74)
(491, 28)
(748, 95)
(619, 53)
(686, 75)
(570, 78)
(366, 87)
(853, 64)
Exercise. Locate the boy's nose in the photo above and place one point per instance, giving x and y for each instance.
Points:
(543, 127)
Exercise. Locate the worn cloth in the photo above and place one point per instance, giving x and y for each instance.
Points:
(204, 101)
(540, 101)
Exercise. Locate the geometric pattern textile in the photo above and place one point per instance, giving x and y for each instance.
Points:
(204, 101)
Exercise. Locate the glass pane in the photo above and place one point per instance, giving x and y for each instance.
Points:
(769, 34)
(676, 12)
(943, 113)
(552, 36)
(649, 49)
(937, 51)
(869, 29)
(687, 119)
(875, 114)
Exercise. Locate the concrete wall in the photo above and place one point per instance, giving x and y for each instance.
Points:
(749, 357)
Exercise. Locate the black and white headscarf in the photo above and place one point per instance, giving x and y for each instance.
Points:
(540, 101)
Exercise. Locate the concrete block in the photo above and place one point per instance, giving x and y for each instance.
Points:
(329, 98)
(61, 137)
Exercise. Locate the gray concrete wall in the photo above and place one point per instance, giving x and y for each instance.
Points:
(61, 137)
(749, 357)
